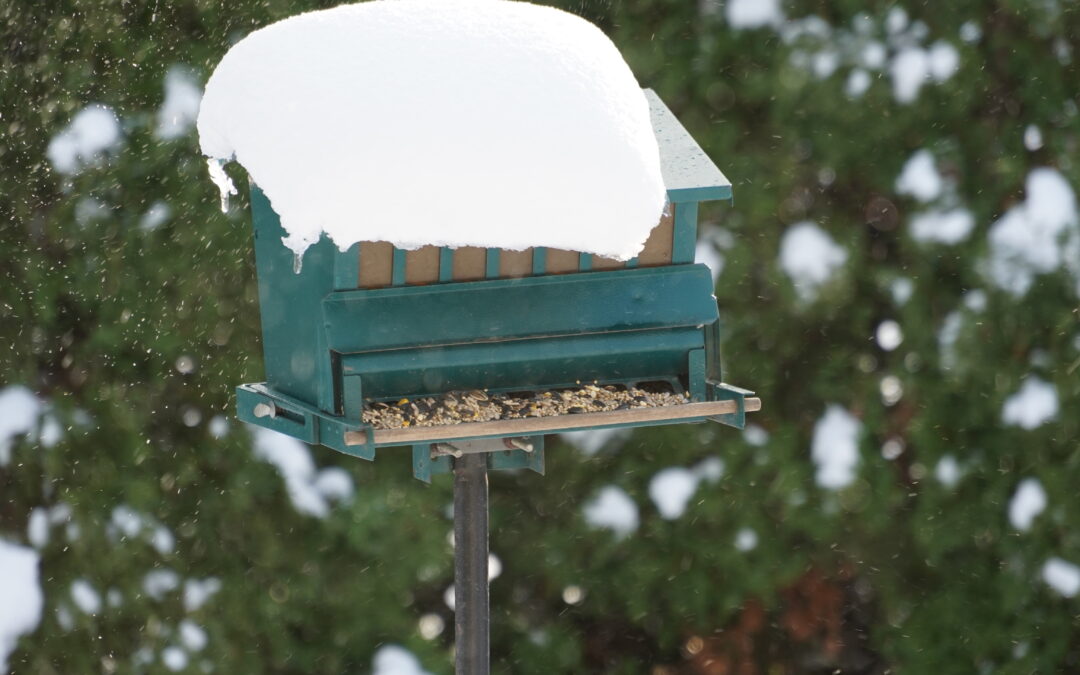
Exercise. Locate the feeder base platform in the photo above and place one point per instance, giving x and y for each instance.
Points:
(509, 443)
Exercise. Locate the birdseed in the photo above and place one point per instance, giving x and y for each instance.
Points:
(457, 407)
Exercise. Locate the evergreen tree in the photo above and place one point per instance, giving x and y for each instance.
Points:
(900, 279)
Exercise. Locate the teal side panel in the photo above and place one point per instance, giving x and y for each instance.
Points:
(491, 264)
(294, 349)
(519, 459)
(485, 311)
(425, 466)
(347, 268)
(584, 262)
(696, 383)
(397, 276)
(539, 260)
(526, 364)
(446, 264)
(714, 370)
(352, 397)
(685, 241)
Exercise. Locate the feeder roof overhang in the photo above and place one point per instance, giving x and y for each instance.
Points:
(689, 174)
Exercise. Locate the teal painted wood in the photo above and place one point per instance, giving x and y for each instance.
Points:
(425, 466)
(397, 276)
(714, 367)
(698, 195)
(632, 263)
(526, 364)
(684, 243)
(657, 297)
(294, 348)
(727, 392)
(584, 262)
(347, 268)
(290, 420)
(296, 418)
(446, 264)
(696, 376)
(491, 270)
(539, 261)
(519, 459)
(689, 174)
(351, 404)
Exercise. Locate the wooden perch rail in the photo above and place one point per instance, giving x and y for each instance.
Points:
(542, 425)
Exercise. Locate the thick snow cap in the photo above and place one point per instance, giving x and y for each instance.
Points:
(447, 122)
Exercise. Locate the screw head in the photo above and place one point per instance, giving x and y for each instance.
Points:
(264, 410)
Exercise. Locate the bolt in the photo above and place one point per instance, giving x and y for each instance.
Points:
(440, 449)
(519, 443)
(265, 410)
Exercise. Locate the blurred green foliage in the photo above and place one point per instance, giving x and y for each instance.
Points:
(895, 572)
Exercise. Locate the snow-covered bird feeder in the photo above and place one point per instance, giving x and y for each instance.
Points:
(472, 228)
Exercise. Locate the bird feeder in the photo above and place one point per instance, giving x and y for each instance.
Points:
(467, 355)
(378, 325)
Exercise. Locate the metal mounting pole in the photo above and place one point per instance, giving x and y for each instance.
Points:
(471, 610)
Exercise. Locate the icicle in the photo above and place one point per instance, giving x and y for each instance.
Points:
(222, 181)
(297, 262)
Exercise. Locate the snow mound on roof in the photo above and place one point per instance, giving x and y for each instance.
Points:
(467, 123)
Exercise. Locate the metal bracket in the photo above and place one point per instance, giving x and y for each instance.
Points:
(426, 465)
(516, 452)
(459, 448)
(721, 391)
(258, 404)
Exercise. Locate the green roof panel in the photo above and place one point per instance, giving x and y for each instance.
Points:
(689, 174)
